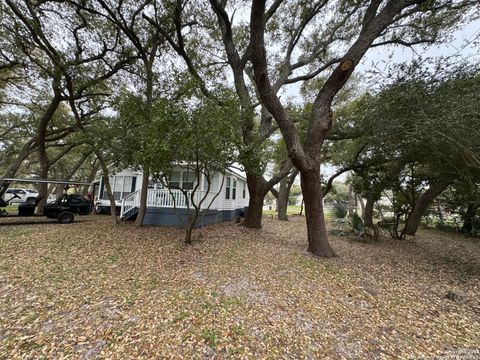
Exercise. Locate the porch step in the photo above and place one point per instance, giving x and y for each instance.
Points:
(130, 214)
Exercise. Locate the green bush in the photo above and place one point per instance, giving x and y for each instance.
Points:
(339, 210)
(344, 225)
(357, 224)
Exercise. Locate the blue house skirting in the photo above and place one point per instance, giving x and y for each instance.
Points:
(169, 216)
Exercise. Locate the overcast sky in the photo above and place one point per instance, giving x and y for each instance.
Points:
(464, 42)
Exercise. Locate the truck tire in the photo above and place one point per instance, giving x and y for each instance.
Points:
(65, 217)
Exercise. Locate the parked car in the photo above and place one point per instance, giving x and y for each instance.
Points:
(18, 196)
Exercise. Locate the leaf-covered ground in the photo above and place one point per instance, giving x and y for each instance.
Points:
(93, 290)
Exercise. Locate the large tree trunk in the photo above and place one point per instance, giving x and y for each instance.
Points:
(106, 182)
(113, 205)
(258, 188)
(44, 175)
(368, 212)
(148, 63)
(468, 218)
(421, 206)
(253, 218)
(282, 201)
(317, 232)
(91, 175)
(351, 201)
(59, 188)
(284, 194)
(362, 204)
(42, 149)
(19, 159)
(142, 210)
(43, 191)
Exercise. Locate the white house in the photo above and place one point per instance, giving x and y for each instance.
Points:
(230, 203)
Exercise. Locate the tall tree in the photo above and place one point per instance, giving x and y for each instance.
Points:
(194, 133)
(75, 64)
(147, 42)
(256, 126)
(207, 146)
(418, 137)
(369, 24)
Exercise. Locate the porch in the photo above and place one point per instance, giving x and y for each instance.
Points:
(167, 199)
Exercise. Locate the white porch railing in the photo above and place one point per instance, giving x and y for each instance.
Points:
(129, 202)
(172, 198)
(167, 199)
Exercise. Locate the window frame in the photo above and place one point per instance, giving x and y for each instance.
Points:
(179, 181)
(205, 183)
(234, 188)
(227, 188)
(187, 175)
(113, 179)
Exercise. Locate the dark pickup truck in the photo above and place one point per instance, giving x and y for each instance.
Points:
(64, 209)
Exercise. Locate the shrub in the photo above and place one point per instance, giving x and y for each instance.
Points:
(339, 210)
(357, 224)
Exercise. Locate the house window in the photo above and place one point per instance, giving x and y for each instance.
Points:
(117, 187)
(227, 188)
(205, 183)
(234, 189)
(127, 185)
(174, 181)
(187, 180)
(244, 190)
(121, 187)
(181, 180)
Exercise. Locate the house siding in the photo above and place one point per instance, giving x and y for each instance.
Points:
(137, 178)
(171, 217)
(232, 204)
(222, 209)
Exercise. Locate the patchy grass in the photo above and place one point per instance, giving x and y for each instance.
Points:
(91, 289)
(11, 209)
(291, 210)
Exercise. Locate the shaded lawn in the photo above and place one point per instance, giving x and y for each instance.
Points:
(93, 290)
(291, 210)
(11, 209)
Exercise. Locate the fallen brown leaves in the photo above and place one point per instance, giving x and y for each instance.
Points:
(94, 290)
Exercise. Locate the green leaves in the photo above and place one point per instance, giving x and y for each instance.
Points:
(187, 129)
(429, 119)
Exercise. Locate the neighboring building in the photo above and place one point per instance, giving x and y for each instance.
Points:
(299, 200)
(269, 205)
(231, 202)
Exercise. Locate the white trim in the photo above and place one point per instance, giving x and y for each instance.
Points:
(221, 203)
